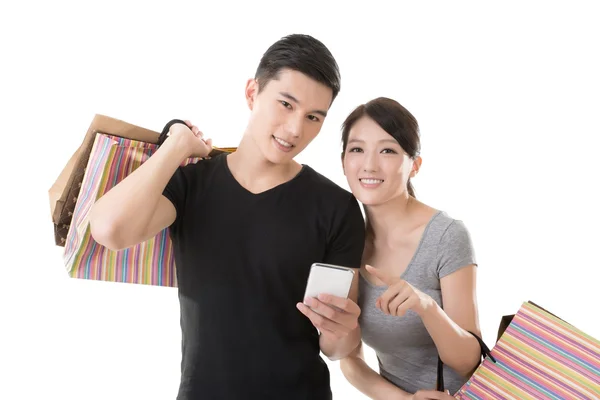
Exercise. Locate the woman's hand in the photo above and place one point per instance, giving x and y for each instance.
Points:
(431, 395)
(400, 296)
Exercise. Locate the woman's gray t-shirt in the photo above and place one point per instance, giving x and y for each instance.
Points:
(406, 353)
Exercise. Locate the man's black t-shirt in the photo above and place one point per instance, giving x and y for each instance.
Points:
(243, 260)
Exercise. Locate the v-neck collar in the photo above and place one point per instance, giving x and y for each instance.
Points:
(228, 172)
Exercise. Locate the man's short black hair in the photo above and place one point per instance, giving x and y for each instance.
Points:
(301, 53)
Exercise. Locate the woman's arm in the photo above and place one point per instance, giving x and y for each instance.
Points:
(367, 381)
(449, 327)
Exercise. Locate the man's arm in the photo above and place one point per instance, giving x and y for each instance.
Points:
(135, 209)
(335, 317)
(337, 320)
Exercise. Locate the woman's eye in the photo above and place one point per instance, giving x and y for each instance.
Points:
(285, 104)
(355, 150)
(388, 151)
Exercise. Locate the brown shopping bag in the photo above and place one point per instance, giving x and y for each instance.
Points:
(65, 190)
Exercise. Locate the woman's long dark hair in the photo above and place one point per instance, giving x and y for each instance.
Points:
(396, 120)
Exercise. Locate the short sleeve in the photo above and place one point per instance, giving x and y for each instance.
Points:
(346, 244)
(455, 250)
(176, 191)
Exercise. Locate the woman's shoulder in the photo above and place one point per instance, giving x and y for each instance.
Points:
(445, 228)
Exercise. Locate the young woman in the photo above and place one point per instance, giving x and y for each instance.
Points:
(415, 256)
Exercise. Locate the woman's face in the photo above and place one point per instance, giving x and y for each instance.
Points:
(376, 167)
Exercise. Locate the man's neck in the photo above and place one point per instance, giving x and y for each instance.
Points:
(254, 172)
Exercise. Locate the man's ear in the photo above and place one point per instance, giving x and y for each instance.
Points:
(416, 166)
(251, 92)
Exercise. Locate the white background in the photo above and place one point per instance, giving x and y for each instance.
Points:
(507, 96)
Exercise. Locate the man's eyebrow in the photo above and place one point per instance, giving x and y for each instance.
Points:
(295, 100)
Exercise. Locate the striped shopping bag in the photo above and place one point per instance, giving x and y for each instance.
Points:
(538, 357)
(152, 262)
(64, 191)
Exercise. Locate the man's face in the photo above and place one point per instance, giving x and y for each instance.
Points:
(287, 114)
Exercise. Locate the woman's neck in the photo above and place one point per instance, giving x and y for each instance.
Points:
(389, 222)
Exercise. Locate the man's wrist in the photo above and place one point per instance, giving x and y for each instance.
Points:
(176, 148)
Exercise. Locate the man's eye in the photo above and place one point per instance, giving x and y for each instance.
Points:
(313, 118)
(286, 104)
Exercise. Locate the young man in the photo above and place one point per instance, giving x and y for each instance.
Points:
(246, 228)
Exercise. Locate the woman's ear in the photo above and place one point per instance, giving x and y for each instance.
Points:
(416, 166)
(251, 92)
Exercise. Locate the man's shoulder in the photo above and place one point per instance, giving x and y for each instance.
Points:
(325, 185)
(202, 166)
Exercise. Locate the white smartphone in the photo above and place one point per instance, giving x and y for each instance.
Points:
(329, 279)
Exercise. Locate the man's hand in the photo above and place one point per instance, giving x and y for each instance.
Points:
(191, 139)
(335, 317)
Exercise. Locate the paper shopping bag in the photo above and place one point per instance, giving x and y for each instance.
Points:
(63, 193)
(152, 262)
(65, 190)
(538, 356)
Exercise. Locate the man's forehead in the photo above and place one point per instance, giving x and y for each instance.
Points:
(302, 89)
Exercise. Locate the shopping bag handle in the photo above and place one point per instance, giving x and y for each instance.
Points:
(165, 134)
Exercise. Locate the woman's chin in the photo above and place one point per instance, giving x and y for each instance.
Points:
(368, 200)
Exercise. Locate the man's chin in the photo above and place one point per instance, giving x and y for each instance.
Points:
(277, 157)
(280, 160)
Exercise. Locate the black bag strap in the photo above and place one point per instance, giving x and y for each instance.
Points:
(440, 376)
(165, 132)
(485, 352)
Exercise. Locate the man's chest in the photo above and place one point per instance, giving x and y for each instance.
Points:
(260, 241)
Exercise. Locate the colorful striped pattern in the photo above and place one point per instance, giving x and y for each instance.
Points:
(152, 262)
(539, 357)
